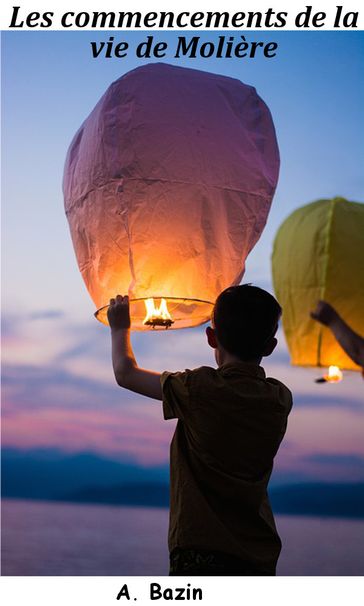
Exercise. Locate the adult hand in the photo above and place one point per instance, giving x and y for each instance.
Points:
(118, 313)
(324, 313)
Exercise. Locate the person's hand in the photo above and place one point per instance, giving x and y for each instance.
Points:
(118, 313)
(324, 313)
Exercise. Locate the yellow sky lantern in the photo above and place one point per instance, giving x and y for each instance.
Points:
(167, 187)
(318, 254)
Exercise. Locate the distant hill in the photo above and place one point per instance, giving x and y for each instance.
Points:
(88, 478)
(143, 494)
(51, 474)
(343, 500)
(324, 500)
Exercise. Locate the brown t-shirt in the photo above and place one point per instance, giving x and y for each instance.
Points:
(231, 421)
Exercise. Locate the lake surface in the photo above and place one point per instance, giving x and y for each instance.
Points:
(46, 538)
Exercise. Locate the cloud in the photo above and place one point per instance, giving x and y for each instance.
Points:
(29, 388)
(323, 444)
(46, 314)
(8, 327)
(352, 460)
(59, 391)
(330, 400)
(112, 432)
(334, 468)
(34, 342)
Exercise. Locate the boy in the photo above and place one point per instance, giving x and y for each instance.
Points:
(231, 421)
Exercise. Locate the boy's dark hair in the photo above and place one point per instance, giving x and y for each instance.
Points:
(245, 318)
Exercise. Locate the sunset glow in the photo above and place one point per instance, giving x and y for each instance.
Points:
(59, 390)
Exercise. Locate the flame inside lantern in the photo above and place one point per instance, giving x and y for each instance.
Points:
(157, 316)
(334, 375)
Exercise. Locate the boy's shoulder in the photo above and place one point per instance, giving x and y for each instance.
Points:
(283, 393)
(191, 389)
(243, 372)
(188, 377)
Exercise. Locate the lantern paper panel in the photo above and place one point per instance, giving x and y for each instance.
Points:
(167, 187)
(318, 254)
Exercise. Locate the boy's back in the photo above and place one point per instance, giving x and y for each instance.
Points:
(231, 422)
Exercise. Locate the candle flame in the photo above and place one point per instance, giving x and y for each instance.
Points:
(157, 316)
(334, 375)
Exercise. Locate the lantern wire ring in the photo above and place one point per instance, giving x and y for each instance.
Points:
(180, 299)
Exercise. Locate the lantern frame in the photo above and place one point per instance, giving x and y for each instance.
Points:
(180, 309)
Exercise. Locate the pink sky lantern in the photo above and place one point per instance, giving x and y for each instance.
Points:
(167, 187)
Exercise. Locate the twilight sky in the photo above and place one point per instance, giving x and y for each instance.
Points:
(59, 390)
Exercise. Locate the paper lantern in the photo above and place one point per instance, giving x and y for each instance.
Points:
(167, 187)
(318, 254)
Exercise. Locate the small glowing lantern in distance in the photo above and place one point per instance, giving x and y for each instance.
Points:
(334, 375)
(167, 187)
(317, 254)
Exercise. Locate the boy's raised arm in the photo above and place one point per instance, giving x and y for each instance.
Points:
(126, 370)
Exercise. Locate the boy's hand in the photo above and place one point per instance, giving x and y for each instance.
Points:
(324, 313)
(126, 370)
(118, 313)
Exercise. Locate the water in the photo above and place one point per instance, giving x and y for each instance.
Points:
(43, 538)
